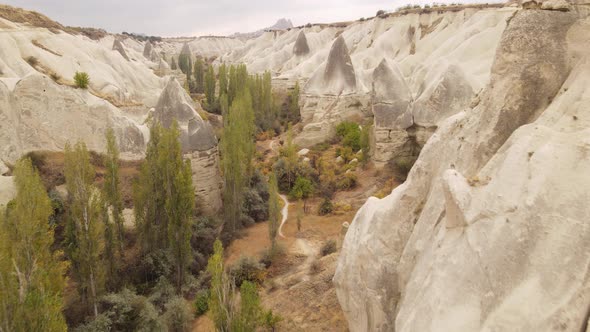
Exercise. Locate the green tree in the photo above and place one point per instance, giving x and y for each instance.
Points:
(302, 189)
(31, 274)
(221, 295)
(86, 224)
(293, 114)
(289, 153)
(238, 151)
(112, 187)
(199, 75)
(274, 210)
(164, 200)
(223, 80)
(365, 143)
(210, 86)
(250, 314)
(185, 64)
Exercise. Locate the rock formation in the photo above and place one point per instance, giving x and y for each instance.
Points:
(490, 231)
(392, 112)
(199, 143)
(301, 48)
(148, 49)
(39, 114)
(118, 46)
(337, 76)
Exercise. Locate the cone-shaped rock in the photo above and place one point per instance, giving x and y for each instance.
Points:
(176, 104)
(301, 47)
(147, 50)
(337, 75)
(118, 46)
(392, 97)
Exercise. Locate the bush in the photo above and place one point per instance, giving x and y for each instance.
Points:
(326, 207)
(202, 302)
(303, 188)
(256, 198)
(272, 255)
(348, 182)
(315, 267)
(33, 61)
(271, 320)
(346, 153)
(178, 316)
(247, 269)
(81, 80)
(328, 247)
(380, 12)
(37, 159)
(404, 165)
(349, 134)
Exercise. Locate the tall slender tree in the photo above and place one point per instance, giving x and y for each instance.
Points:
(164, 200)
(274, 211)
(221, 291)
(210, 86)
(223, 80)
(112, 187)
(86, 224)
(238, 151)
(31, 274)
(199, 75)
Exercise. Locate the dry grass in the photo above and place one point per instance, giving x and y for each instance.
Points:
(32, 18)
(43, 47)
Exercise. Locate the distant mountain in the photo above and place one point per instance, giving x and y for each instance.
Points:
(281, 24)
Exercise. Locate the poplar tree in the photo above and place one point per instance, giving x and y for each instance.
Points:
(86, 224)
(164, 200)
(112, 187)
(199, 75)
(221, 291)
(274, 211)
(210, 86)
(31, 274)
(238, 151)
(223, 80)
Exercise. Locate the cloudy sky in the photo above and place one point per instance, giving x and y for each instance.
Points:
(200, 17)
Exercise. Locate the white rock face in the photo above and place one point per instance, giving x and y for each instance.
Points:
(490, 231)
(39, 114)
(432, 51)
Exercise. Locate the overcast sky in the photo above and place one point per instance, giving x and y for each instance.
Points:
(170, 18)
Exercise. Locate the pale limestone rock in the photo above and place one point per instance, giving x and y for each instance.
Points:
(520, 259)
(303, 152)
(7, 189)
(39, 114)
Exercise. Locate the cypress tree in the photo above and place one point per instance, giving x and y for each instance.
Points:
(223, 80)
(86, 224)
(210, 86)
(31, 274)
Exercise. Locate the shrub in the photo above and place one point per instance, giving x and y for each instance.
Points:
(81, 80)
(202, 302)
(328, 247)
(37, 159)
(380, 12)
(55, 77)
(320, 147)
(303, 188)
(404, 165)
(326, 207)
(346, 153)
(271, 320)
(348, 182)
(315, 267)
(247, 269)
(349, 134)
(272, 255)
(178, 316)
(33, 61)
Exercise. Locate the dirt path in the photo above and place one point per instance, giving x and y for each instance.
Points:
(285, 213)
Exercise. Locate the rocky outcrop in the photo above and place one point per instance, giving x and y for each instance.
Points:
(337, 75)
(39, 114)
(148, 50)
(198, 141)
(392, 113)
(301, 48)
(118, 46)
(489, 232)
